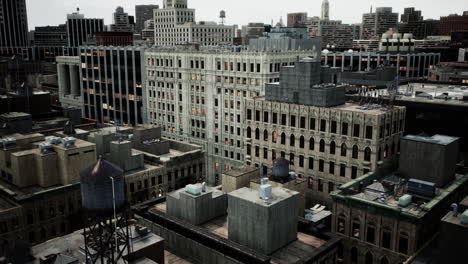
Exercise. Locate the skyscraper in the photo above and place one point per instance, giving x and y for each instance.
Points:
(13, 23)
(121, 21)
(374, 24)
(81, 29)
(143, 13)
(325, 15)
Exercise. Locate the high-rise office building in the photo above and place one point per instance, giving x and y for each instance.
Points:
(413, 22)
(174, 24)
(198, 96)
(80, 30)
(13, 23)
(111, 84)
(332, 33)
(143, 13)
(374, 24)
(325, 12)
(121, 21)
(55, 36)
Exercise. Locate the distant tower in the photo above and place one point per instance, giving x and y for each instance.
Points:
(222, 16)
(325, 10)
(106, 231)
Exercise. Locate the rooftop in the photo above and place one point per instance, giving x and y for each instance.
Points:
(372, 109)
(383, 190)
(278, 195)
(209, 190)
(436, 139)
(236, 172)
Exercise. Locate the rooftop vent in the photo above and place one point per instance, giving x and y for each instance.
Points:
(54, 140)
(8, 143)
(265, 190)
(69, 142)
(45, 147)
(193, 189)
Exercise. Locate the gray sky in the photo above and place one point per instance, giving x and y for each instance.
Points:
(53, 12)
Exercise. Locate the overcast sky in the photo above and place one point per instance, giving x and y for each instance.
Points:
(53, 12)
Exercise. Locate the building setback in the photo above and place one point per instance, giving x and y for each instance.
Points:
(121, 21)
(198, 96)
(111, 84)
(13, 23)
(81, 29)
(143, 13)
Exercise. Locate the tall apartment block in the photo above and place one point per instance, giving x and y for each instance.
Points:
(111, 84)
(121, 21)
(198, 96)
(174, 24)
(143, 13)
(296, 19)
(332, 33)
(80, 29)
(13, 23)
(374, 24)
(326, 140)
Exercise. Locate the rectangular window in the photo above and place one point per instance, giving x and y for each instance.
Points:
(293, 121)
(323, 125)
(249, 114)
(369, 132)
(333, 127)
(356, 230)
(344, 129)
(257, 115)
(353, 172)
(331, 169)
(356, 129)
(386, 239)
(311, 163)
(265, 117)
(403, 245)
(303, 121)
(283, 119)
(342, 170)
(275, 118)
(312, 124)
(320, 185)
(370, 237)
(321, 165)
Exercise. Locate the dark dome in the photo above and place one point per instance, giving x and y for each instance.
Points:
(100, 172)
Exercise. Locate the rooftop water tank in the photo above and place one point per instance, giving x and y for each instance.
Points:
(280, 170)
(96, 188)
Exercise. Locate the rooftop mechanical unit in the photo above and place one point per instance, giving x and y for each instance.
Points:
(421, 188)
(193, 189)
(45, 147)
(69, 142)
(8, 143)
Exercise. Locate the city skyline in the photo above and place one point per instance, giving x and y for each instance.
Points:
(209, 11)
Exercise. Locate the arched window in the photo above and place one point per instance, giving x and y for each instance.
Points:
(265, 135)
(354, 255)
(385, 155)
(274, 137)
(343, 150)
(301, 142)
(355, 152)
(283, 139)
(332, 148)
(257, 134)
(384, 260)
(292, 140)
(367, 154)
(311, 144)
(322, 146)
(249, 132)
(369, 258)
